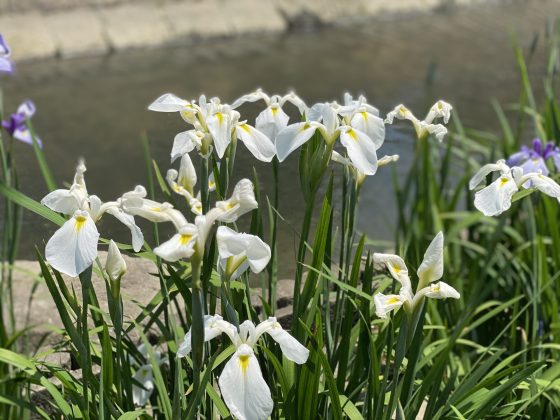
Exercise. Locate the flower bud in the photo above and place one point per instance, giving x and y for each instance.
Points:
(115, 265)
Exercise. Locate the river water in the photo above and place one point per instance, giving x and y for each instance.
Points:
(97, 107)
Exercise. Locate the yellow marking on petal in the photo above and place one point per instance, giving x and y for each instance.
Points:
(503, 181)
(176, 188)
(364, 114)
(393, 300)
(80, 222)
(439, 105)
(435, 288)
(274, 111)
(246, 127)
(184, 239)
(220, 117)
(229, 206)
(352, 134)
(403, 111)
(304, 127)
(211, 184)
(244, 362)
(396, 269)
(156, 209)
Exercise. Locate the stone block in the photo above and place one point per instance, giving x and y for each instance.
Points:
(198, 20)
(136, 25)
(28, 36)
(254, 16)
(78, 33)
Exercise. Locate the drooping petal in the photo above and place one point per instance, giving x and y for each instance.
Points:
(400, 112)
(544, 184)
(292, 348)
(251, 97)
(360, 148)
(234, 244)
(395, 265)
(185, 142)
(181, 245)
(219, 125)
(386, 303)
(73, 247)
(168, 102)
(496, 197)
(241, 201)
(23, 134)
(243, 387)
(440, 109)
(485, 170)
(292, 137)
(440, 290)
(258, 144)
(431, 268)
(371, 125)
(295, 100)
(129, 222)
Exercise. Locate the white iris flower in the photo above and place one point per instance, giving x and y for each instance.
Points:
(142, 391)
(240, 251)
(429, 271)
(426, 126)
(356, 123)
(243, 387)
(496, 197)
(73, 247)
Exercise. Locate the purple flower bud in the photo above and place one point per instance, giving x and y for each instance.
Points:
(17, 124)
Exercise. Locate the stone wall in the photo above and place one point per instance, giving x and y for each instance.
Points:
(66, 28)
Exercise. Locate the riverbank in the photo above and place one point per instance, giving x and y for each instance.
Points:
(38, 29)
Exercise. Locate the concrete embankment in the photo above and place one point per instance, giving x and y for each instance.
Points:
(39, 29)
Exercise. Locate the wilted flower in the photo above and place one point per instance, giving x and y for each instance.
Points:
(243, 387)
(73, 247)
(6, 65)
(496, 198)
(533, 159)
(17, 124)
(425, 127)
(429, 271)
(239, 251)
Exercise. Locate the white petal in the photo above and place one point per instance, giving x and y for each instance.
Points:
(292, 348)
(129, 222)
(431, 268)
(544, 184)
(181, 245)
(219, 125)
(292, 137)
(440, 109)
(371, 125)
(241, 201)
(496, 197)
(168, 103)
(294, 100)
(251, 97)
(233, 244)
(438, 130)
(184, 142)
(395, 265)
(271, 121)
(361, 150)
(214, 325)
(386, 303)
(61, 201)
(440, 290)
(400, 112)
(145, 376)
(243, 387)
(485, 170)
(73, 247)
(258, 144)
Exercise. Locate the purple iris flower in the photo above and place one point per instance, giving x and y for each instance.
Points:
(6, 65)
(533, 159)
(17, 124)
